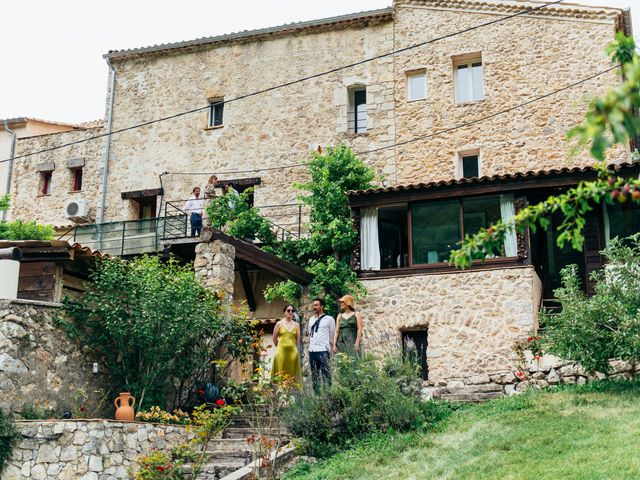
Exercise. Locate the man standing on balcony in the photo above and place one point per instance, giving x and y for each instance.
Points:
(194, 209)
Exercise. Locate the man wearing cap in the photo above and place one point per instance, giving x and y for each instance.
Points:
(322, 328)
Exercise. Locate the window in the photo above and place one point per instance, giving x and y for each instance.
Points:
(45, 183)
(414, 349)
(470, 165)
(468, 79)
(416, 86)
(392, 236)
(621, 220)
(437, 227)
(357, 117)
(216, 109)
(77, 179)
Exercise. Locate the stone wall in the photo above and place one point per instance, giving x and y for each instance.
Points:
(473, 318)
(38, 363)
(214, 266)
(87, 450)
(27, 202)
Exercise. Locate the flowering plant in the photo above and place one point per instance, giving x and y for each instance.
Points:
(158, 465)
(157, 415)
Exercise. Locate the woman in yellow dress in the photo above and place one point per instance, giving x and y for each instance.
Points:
(286, 337)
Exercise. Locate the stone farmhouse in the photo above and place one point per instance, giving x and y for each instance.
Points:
(398, 113)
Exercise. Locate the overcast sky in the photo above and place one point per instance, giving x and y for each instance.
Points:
(51, 51)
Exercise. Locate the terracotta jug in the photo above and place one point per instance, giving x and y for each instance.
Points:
(124, 407)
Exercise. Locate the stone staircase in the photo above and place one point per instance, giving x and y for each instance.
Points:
(231, 451)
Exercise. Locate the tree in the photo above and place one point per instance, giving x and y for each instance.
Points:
(326, 250)
(155, 328)
(609, 120)
(606, 325)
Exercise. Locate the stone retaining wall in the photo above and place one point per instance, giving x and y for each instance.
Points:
(38, 363)
(86, 449)
(548, 371)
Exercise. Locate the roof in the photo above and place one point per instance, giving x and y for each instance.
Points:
(51, 248)
(558, 177)
(383, 14)
(23, 120)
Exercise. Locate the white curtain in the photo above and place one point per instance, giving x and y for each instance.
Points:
(507, 212)
(369, 244)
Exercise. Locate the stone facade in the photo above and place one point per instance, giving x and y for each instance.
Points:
(27, 201)
(38, 364)
(86, 450)
(522, 57)
(472, 318)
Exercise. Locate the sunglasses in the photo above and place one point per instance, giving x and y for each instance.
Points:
(289, 310)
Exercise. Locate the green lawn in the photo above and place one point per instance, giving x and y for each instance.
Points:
(587, 432)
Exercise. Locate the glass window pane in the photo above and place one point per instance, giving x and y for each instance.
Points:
(463, 86)
(435, 230)
(417, 87)
(360, 102)
(624, 220)
(470, 166)
(480, 212)
(476, 74)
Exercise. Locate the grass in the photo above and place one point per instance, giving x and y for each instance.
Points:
(576, 432)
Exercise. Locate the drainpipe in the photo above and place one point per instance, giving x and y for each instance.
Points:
(106, 149)
(10, 168)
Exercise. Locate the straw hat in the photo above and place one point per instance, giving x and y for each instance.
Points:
(349, 300)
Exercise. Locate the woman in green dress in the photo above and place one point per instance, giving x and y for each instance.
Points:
(348, 327)
(286, 337)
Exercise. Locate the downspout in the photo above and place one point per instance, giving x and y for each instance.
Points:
(10, 168)
(107, 142)
(106, 150)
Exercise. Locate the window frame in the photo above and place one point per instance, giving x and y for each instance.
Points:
(352, 110)
(466, 154)
(212, 113)
(46, 178)
(468, 61)
(77, 178)
(415, 74)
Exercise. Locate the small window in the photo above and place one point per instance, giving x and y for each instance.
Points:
(469, 79)
(77, 179)
(216, 109)
(45, 183)
(357, 118)
(470, 165)
(414, 350)
(416, 86)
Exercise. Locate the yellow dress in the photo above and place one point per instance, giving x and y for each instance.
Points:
(286, 359)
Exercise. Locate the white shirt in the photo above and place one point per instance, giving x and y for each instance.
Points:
(194, 205)
(322, 340)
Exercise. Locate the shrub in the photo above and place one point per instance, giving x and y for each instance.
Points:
(362, 400)
(8, 438)
(607, 325)
(19, 230)
(157, 415)
(155, 328)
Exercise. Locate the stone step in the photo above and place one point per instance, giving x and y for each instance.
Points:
(213, 455)
(470, 396)
(217, 470)
(244, 432)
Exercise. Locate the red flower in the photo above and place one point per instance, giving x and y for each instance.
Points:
(200, 392)
(220, 402)
(529, 339)
(82, 409)
(160, 468)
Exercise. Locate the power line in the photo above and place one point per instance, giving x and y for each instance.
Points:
(287, 84)
(492, 115)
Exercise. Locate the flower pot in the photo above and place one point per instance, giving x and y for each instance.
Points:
(124, 407)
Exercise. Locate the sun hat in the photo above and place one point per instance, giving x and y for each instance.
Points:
(348, 300)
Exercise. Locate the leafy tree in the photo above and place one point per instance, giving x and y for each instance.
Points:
(606, 325)
(155, 328)
(609, 120)
(326, 251)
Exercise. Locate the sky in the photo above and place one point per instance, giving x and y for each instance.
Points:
(51, 51)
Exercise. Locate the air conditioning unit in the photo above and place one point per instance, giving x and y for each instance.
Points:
(77, 211)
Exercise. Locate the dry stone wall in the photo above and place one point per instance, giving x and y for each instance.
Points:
(86, 450)
(214, 266)
(39, 365)
(472, 318)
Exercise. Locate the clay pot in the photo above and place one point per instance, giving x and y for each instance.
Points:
(124, 407)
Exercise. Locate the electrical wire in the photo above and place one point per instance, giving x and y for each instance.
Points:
(287, 84)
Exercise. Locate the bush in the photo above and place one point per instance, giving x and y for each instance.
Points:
(156, 329)
(8, 438)
(19, 230)
(607, 325)
(362, 400)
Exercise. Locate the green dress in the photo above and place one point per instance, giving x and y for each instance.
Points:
(286, 359)
(348, 334)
